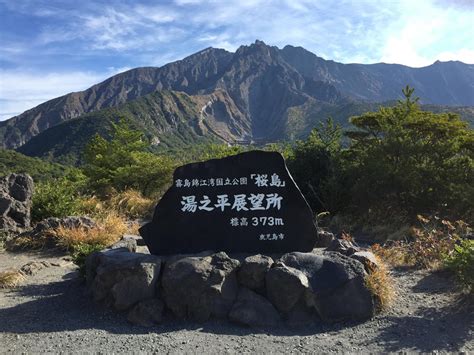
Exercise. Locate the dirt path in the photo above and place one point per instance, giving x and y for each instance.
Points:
(51, 313)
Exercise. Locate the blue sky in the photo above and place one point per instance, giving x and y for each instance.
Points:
(51, 47)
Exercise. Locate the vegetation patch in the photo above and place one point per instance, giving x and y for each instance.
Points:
(133, 204)
(57, 198)
(81, 251)
(461, 262)
(11, 278)
(107, 232)
(381, 285)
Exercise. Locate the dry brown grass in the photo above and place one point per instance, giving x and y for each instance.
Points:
(94, 207)
(380, 284)
(395, 254)
(131, 203)
(11, 278)
(26, 242)
(107, 232)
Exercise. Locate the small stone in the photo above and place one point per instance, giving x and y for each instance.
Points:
(342, 246)
(325, 238)
(126, 242)
(368, 259)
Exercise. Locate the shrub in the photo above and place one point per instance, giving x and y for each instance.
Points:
(431, 244)
(11, 278)
(461, 262)
(315, 164)
(56, 198)
(123, 163)
(81, 251)
(434, 239)
(403, 160)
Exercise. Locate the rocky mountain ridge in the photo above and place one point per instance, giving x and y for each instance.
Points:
(251, 94)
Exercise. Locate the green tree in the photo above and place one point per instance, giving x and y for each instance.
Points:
(403, 159)
(122, 162)
(315, 164)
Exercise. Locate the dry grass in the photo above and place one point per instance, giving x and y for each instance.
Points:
(107, 232)
(26, 242)
(131, 203)
(94, 207)
(380, 284)
(11, 278)
(395, 254)
(133, 228)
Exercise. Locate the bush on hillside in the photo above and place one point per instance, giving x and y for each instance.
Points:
(315, 164)
(402, 160)
(38, 169)
(123, 163)
(57, 198)
(398, 162)
(461, 262)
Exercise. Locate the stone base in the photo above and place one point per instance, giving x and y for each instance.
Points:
(255, 290)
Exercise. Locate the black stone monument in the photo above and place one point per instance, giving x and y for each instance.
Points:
(243, 203)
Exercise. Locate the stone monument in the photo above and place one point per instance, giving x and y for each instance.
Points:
(243, 203)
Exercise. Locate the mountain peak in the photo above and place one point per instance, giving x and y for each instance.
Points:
(263, 85)
(258, 48)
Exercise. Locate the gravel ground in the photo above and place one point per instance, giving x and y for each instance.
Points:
(52, 313)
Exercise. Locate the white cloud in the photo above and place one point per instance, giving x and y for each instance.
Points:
(464, 55)
(426, 32)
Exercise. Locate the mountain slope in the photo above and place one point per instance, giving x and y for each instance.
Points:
(39, 170)
(257, 85)
(167, 118)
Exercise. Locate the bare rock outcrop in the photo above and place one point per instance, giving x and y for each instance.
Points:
(16, 193)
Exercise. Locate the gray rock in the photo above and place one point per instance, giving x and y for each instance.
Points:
(200, 287)
(33, 267)
(254, 310)
(368, 259)
(252, 271)
(122, 277)
(146, 313)
(285, 286)
(325, 239)
(70, 222)
(342, 246)
(337, 285)
(137, 238)
(127, 242)
(16, 192)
